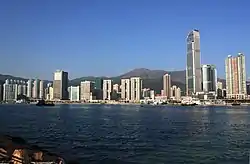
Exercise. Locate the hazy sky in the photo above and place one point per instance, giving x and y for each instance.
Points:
(111, 37)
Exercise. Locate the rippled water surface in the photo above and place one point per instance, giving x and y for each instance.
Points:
(134, 134)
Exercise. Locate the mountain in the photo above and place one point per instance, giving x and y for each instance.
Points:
(151, 78)
(4, 77)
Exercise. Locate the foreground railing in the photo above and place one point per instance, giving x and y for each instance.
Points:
(15, 151)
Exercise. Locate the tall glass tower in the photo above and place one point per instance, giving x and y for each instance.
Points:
(193, 68)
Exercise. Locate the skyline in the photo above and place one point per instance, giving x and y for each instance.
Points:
(145, 32)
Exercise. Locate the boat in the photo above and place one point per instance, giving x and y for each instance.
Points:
(191, 104)
(45, 103)
(235, 104)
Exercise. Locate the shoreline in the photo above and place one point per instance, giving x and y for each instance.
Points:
(132, 104)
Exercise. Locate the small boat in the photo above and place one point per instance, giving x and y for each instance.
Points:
(192, 104)
(44, 103)
(235, 104)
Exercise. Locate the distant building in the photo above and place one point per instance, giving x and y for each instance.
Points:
(24, 89)
(152, 94)
(167, 85)
(29, 88)
(236, 77)
(51, 93)
(193, 69)
(209, 78)
(60, 85)
(10, 90)
(219, 90)
(41, 89)
(35, 90)
(248, 88)
(146, 92)
(74, 93)
(98, 84)
(86, 90)
(125, 89)
(107, 89)
(116, 88)
(175, 93)
(135, 88)
(19, 89)
(1, 92)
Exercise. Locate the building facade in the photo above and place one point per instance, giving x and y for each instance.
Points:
(175, 93)
(86, 90)
(135, 88)
(209, 78)
(29, 88)
(74, 93)
(35, 90)
(1, 92)
(236, 77)
(60, 85)
(193, 68)
(166, 85)
(41, 90)
(125, 89)
(107, 89)
(10, 90)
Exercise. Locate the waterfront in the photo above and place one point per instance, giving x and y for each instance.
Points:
(123, 134)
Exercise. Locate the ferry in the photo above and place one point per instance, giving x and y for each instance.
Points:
(44, 103)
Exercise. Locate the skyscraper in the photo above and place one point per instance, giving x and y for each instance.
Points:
(60, 85)
(35, 90)
(125, 89)
(41, 89)
(175, 92)
(29, 88)
(74, 93)
(9, 90)
(235, 76)
(193, 68)
(167, 85)
(209, 78)
(107, 89)
(135, 88)
(86, 90)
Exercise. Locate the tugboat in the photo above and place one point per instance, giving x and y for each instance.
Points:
(44, 103)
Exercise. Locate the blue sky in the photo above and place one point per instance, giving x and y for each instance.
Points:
(111, 37)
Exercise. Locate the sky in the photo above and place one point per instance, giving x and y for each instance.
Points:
(112, 37)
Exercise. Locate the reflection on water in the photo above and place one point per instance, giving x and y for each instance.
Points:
(124, 133)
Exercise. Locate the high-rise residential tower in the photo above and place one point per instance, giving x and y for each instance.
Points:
(41, 89)
(209, 78)
(175, 92)
(107, 89)
(29, 88)
(167, 85)
(74, 93)
(236, 77)
(60, 85)
(136, 88)
(193, 68)
(35, 90)
(86, 90)
(125, 89)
